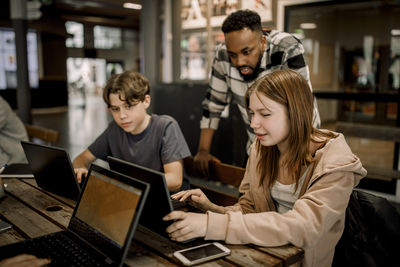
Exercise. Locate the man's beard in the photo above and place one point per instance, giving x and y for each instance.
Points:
(254, 74)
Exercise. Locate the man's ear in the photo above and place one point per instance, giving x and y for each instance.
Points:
(263, 42)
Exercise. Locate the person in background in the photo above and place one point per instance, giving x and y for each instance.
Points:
(12, 132)
(297, 183)
(248, 53)
(154, 141)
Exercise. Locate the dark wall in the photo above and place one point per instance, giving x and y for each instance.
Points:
(183, 102)
(54, 55)
(51, 93)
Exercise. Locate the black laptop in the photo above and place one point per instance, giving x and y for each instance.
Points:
(52, 169)
(101, 227)
(159, 202)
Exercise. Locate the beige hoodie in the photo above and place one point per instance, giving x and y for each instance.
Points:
(316, 221)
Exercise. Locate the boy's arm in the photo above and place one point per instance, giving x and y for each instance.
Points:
(173, 175)
(82, 162)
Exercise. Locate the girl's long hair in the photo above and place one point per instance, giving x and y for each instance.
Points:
(290, 89)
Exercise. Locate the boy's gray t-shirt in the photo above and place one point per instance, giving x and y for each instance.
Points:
(160, 143)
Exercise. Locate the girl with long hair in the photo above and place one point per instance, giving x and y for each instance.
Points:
(297, 183)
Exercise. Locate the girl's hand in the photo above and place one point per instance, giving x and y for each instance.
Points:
(187, 226)
(196, 197)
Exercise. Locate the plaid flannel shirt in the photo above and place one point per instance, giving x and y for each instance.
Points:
(284, 51)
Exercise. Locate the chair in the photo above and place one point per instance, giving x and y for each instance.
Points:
(226, 174)
(42, 135)
(371, 234)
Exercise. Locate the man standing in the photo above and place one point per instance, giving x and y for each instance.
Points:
(248, 53)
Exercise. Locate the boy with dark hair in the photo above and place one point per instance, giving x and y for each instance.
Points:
(153, 141)
(247, 54)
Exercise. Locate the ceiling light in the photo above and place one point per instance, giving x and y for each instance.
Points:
(395, 32)
(308, 26)
(132, 6)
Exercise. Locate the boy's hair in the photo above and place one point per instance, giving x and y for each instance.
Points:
(289, 88)
(241, 19)
(131, 87)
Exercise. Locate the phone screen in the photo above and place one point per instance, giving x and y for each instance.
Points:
(201, 252)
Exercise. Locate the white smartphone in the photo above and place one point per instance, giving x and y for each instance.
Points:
(202, 253)
(4, 226)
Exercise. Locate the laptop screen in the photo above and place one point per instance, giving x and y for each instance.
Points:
(158, 196)
(108, 210)
(108, 206)
(52, 169)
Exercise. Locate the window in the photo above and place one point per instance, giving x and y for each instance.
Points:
(76, 29)
(204, 18)
(107, 37)
(352, 47)
(86, 76)
(193, 56)
(8, 60)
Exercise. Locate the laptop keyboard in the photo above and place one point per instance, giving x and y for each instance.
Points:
(59, 248)
(89, 234)
(184, 206)
(177, 205)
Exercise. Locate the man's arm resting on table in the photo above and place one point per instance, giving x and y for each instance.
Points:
(82, 162)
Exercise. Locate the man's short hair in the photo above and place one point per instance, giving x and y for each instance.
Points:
(131, 87)
(241, 19)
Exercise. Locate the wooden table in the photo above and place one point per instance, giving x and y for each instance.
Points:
(34, 212)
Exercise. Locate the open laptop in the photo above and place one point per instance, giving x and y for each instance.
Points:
(101, 227)
(52, 169)
(159, 202)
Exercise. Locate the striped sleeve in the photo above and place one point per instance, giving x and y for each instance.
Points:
(218, 94)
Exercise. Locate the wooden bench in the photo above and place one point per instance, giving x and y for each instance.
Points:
(42, 135)
(226, 174)
(379, 132)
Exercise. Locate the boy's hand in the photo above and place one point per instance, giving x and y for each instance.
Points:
(80, 173)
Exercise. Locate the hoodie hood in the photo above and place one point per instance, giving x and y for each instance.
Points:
(336, 156)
